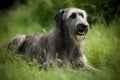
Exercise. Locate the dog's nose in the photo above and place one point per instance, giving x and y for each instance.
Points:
(82, 26)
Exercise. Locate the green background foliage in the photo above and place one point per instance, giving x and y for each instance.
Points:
(102, 43)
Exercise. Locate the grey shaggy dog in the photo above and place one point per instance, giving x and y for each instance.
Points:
(62, 45)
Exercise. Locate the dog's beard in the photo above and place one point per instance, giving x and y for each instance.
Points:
(80, 37)
(75, 37)
(76, 34)
(80, 34)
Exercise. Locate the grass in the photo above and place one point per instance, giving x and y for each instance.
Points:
(102, 48)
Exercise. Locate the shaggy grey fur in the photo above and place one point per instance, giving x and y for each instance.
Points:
(62, 45)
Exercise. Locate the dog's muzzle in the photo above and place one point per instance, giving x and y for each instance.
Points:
(81, 30)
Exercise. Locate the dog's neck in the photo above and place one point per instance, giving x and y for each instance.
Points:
(64, 45)
(63, 38)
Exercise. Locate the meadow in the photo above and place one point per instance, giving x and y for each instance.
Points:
(101, 47)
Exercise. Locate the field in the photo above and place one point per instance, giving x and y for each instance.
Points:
(102, 48)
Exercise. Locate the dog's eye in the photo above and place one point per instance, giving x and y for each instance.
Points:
(81, 14)
(73, 15)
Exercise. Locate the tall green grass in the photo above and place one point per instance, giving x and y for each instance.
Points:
(102, 48)
(102, 43)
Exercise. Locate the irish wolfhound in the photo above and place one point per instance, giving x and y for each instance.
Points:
(63, 44)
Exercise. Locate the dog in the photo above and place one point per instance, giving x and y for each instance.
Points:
(62, 45)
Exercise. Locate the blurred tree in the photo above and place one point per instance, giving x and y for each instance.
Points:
(43, 10)
(100, 10)
(7, 4)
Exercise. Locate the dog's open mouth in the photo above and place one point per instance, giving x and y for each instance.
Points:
(80, 34)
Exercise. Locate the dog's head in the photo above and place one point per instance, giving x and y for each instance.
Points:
(75, 20)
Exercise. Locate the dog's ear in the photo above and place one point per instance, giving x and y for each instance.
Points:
(59, 17)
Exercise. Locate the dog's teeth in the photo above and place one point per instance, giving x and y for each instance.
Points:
(79, 32)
